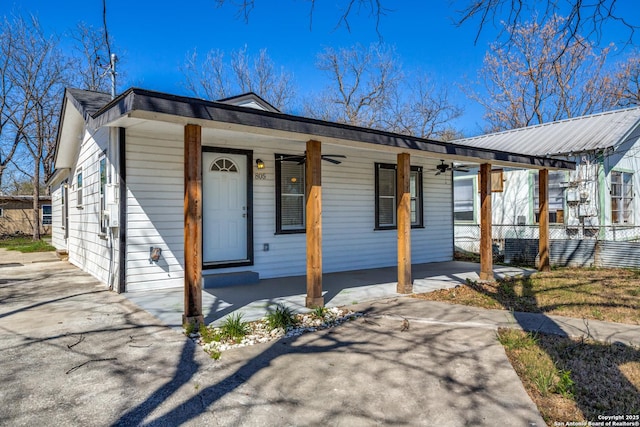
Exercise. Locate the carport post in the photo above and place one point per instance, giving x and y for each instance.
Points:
(192, 226)
(543, 242)
(403, 178)
(313, 191)
(486, 243)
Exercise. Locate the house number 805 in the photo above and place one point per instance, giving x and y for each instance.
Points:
(261, 176)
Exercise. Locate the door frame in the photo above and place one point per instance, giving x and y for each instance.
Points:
(249, 189)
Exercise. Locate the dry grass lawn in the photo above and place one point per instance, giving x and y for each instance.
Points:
(569, 380)
(575, 380)
(611, 295)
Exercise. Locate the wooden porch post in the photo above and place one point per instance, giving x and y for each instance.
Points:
(403, 178)
(313, 191)
(543, 247)
(486, 243)
(192, 226)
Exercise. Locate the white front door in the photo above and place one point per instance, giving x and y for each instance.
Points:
(224, 207)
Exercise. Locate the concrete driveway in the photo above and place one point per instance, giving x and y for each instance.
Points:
(73, 353)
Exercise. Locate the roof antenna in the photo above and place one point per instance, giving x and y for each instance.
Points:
(112, 56)
(112, 71)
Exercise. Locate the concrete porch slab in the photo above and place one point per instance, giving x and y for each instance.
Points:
(339, 289)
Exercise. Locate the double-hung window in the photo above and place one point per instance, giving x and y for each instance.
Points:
(46, 215)
(621, 197)
(386, 196)
(103, 193)
(79, 188)
(463, 198)
(556, 197)
(290, 194)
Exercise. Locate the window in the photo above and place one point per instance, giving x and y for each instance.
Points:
(290, 194)
(463, 200)
(79, 188)
(46, 215)
(556, 197)
(386, 196)
(63, 203)
(621, 197)
(103, 194)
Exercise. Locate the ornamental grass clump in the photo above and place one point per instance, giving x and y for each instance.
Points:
(281, 318)
(234, 327)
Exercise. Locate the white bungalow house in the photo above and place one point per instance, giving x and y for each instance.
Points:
(154, 191)
(596, 200)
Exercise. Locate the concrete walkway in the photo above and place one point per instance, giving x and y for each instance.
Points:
(339, 289)
(73, 353)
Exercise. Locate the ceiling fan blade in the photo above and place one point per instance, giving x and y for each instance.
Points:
(335, 162)
(341, 156)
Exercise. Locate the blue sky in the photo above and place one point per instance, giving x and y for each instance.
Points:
(154, 37)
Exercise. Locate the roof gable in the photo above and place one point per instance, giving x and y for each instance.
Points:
(250, 100)
(576, 135)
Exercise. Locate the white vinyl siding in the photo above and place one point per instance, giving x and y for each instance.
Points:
(87, 250)
(155, 199)
(155, 211)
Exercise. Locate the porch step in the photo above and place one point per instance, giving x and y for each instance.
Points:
(220, 280)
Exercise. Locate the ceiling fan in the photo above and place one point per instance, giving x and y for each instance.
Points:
(331, 158)
(443, 167)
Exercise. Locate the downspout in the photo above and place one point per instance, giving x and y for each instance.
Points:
(122, 186)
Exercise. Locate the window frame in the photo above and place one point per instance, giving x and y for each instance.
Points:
(50, 215)
(556, 215)
(279, 158)
(103, 180)
(416, 171)
(618, 215)
(471, 179)
(79, 189)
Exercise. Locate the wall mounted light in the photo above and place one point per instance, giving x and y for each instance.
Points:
(259, 164)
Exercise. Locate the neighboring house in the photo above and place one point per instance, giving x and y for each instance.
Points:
(154, 191)
(597, 200)
(16, 215)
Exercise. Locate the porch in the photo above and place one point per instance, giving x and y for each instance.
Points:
(339, 289)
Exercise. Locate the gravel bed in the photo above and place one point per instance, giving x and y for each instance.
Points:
(259, 331)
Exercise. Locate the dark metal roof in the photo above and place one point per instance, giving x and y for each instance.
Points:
(135, 99)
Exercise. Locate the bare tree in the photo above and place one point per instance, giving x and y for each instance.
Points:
(584, 19)
(367, 87)
(422, 109)
(35, 74)
(13, 114)
(626, 81)
(216, 78)
(347, 8)
(91, 58)
(541, 78)
(361, 83)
